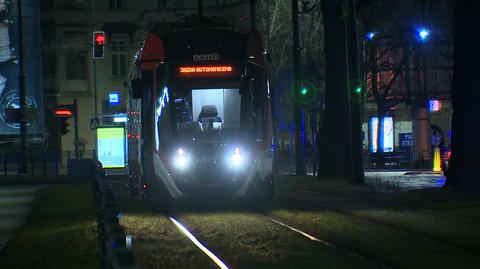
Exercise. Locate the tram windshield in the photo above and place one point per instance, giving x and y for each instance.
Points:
(208, 115)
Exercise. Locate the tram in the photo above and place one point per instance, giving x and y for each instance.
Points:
(200, 116)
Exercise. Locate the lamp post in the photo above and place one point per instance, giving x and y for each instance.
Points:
(421, 120)
(300, 168)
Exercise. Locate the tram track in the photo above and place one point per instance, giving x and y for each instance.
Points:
(255, 237)
(288, 228)
(373, 221)
(326, 243)
(199, 244)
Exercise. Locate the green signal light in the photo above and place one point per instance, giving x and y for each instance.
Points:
(358, 90)
(304, 91)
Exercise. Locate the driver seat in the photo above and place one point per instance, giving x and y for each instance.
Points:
(208, 118)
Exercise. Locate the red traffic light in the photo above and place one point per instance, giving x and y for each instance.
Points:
(99, 38)
(98, 44)
(63, 113)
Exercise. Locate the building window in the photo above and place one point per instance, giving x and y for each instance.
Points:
(117, 4)
(119, 57)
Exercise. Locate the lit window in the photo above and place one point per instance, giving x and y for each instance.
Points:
(119, 57)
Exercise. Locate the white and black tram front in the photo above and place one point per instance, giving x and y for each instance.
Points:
(206, 108)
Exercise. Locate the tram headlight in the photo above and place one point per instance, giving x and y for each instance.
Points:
(236, 160)
(181, 161)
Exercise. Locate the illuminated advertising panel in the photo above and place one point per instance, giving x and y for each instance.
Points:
(111, 146)
(388, 129)
(9, 66)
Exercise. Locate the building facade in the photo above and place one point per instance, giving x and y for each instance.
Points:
(70, 72)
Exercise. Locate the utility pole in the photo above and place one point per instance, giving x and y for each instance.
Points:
(22, 93)
(298, 111)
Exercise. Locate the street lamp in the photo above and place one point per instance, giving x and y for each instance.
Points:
(423, 34)
(370, 35)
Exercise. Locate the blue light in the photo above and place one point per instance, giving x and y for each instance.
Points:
(114, 98)
(423, 33)
(434, 105)
(370, 35)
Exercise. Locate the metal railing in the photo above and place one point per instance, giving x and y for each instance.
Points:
(114, 244)
(43, 166)
(400, 159)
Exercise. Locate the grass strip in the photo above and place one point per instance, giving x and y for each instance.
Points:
(61, 232)
(157, 243)
(438, 213)
(246, 240)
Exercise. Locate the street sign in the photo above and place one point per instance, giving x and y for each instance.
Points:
(113, 98)
(93, 123)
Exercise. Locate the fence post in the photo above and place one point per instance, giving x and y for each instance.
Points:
(32, 164)
(57, 158)
(18, 166)
(45, 159)
(5, 165)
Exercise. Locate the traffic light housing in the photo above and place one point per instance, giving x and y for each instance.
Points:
(98, 44)
(64, 126)
(63, 113)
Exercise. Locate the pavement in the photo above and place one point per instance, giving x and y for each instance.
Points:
(15, 203)
(400, 181)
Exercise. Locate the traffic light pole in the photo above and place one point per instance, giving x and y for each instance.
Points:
(22, 93)
(75, 126)
(300, 168)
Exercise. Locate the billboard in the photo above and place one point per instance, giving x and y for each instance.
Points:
(111, 146)
(9, 65)
(388, 142)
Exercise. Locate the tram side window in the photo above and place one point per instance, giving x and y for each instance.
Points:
(164, 132)
(258, 91)
(163, 127)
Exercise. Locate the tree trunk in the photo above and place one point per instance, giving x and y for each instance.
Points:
(334, 141)
(465, 96)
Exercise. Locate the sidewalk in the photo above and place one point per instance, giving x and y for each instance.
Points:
(404, 180)
(15, 202)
